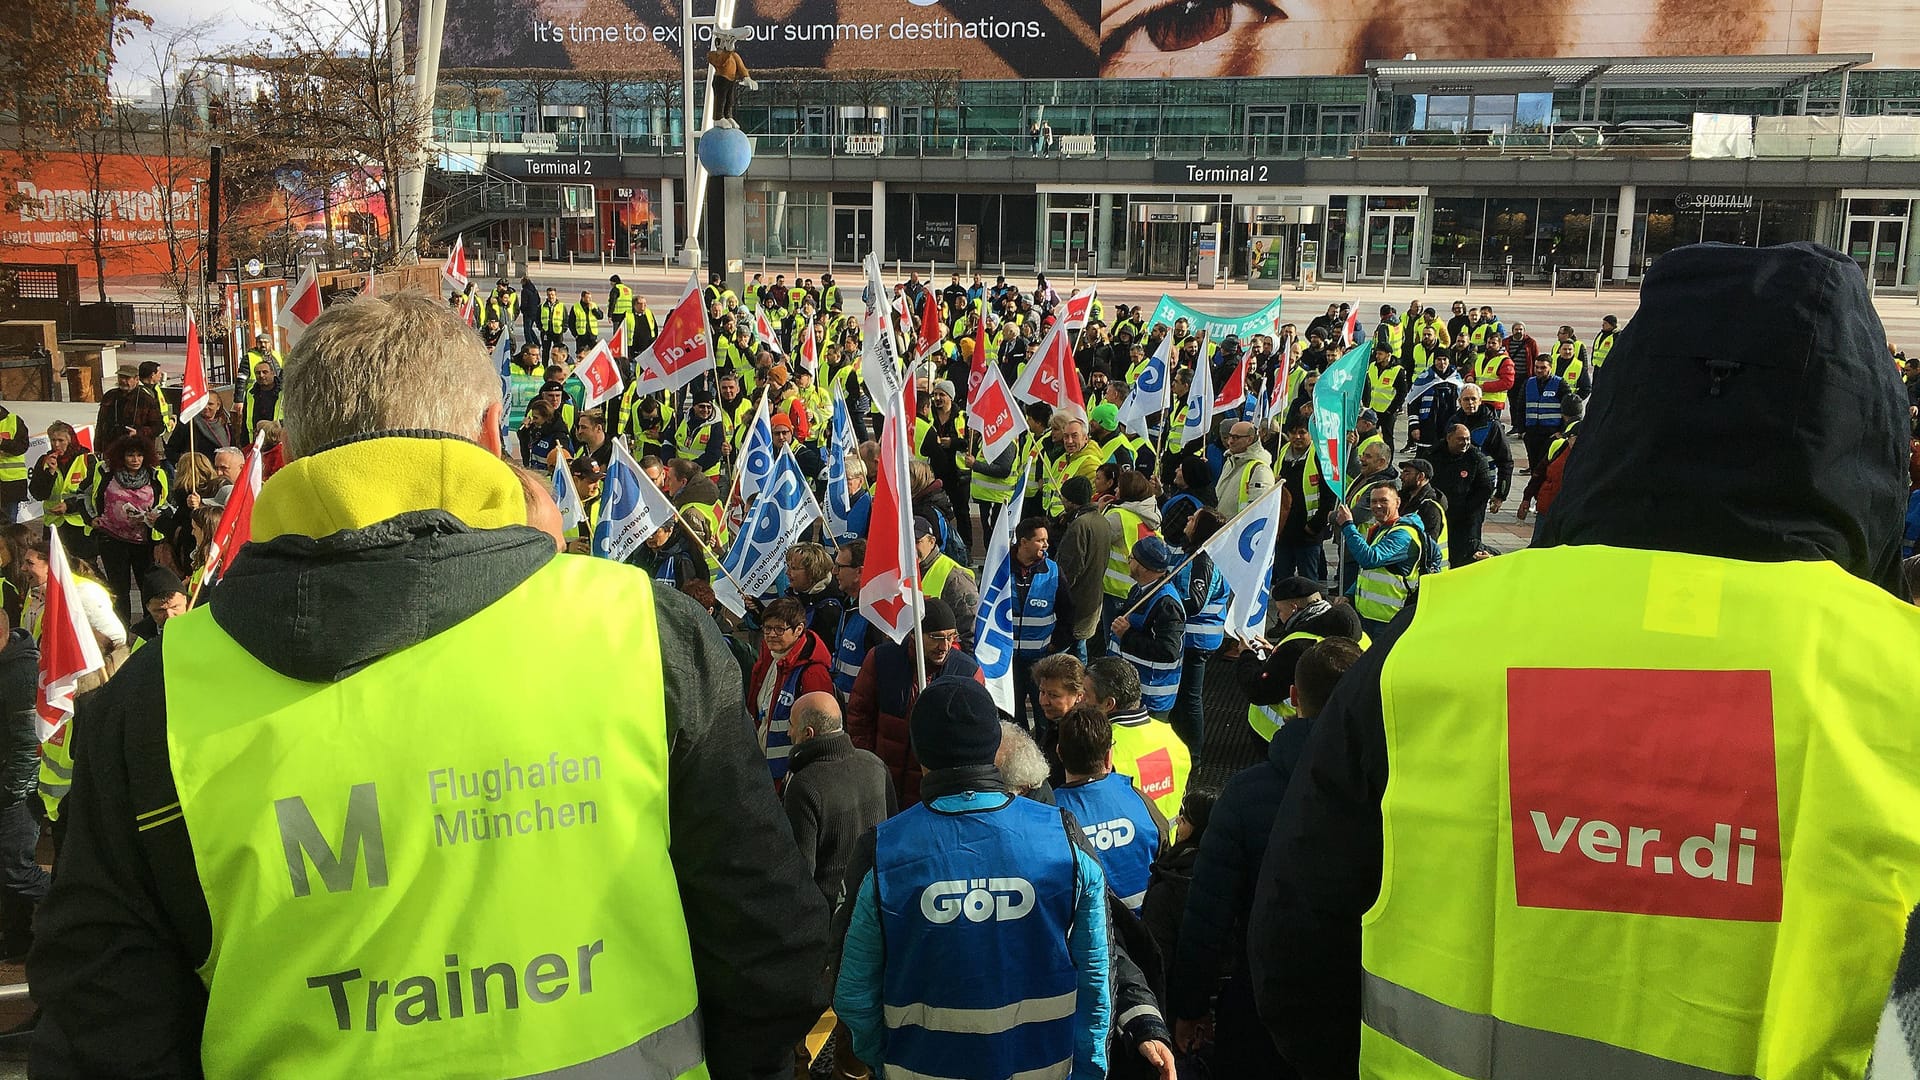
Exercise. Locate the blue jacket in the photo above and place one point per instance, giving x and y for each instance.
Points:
(1213, 932)
(1392, 549)
(859, 994)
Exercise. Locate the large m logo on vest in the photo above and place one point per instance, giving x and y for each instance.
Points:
(302, 842)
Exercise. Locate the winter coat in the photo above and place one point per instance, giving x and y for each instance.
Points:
(1084, 540)
(881, 702)
(835, 792)
(19, 697)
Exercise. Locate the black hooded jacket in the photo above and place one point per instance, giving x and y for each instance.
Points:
(1748, 412)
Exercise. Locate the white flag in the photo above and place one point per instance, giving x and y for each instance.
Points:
(1193, 428)
(631, 508)
(994, 641)
(1243, 553)
(784, 510)
(566, 496)
(1150, 392)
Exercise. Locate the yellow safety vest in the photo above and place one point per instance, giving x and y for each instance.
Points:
(431, 907)
(584, 321)
(66, 488)
(691, 439)
(1380, 592)
(1156, 759)
(1129, 529)
(1602, 345)
(1058, 472)
(13, 467)
(1486, 368)
(1380, 386)
(1267, 720)
(622, 300)
(999, 489)
(161, 486)
(553, 318)
(934, 581)
(1665, 840)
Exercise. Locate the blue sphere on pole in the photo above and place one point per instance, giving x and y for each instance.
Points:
(725, 151)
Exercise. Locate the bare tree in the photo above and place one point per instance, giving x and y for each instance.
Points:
(174, 154)
(54, 60)
(606, 90)
(656, 90)
(938, 90)
(541, 87)
(869, 87)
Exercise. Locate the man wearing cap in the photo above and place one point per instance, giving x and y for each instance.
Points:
(1302, 616)
(128, 408)
(1150, 633)
(883, 695)
(977, 938)
(942, 577)
(1420, 499)
(701, 435)
(1366, 432)
(1386, 390)
(1103, 429)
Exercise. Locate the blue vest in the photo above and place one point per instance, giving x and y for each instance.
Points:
(1543, 401)
(779, 738)
(1207, 627)
(1036, 611)
(1120, 827)
(974, 911)
(1159, 680)
(849, 650)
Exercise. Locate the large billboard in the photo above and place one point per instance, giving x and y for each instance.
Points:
(1062, 39)
(121, 207)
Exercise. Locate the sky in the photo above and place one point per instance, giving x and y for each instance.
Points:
(219, 25)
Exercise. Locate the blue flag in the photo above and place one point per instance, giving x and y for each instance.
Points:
(754, 464)
(1336, 405)
(841, 448)
(994, 645)
(631, 508)
(784, 510)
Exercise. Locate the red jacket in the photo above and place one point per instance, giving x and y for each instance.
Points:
(1504, 380)
(881, 702)
(808, 658)
(1550, 487)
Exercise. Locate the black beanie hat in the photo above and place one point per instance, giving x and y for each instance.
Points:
(955, 723)
(937, 616)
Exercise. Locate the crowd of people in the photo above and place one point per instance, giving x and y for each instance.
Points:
(1036, 891)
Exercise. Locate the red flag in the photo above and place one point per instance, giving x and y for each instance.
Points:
(890, 579)
(236, 521)
(1079, 308)
(1235, 391)
(193, 385)
(931, 332)
(617, 344)
(1051, 377)
(1350, 333)
(600, 374)
(991, 407)
(683, 349)
(83, 437)
(455, 268)
(467, 314)
(302, 307)
(68, 650)
(763, 331)
(978, 370)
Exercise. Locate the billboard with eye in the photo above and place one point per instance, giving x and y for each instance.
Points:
(1071, 39)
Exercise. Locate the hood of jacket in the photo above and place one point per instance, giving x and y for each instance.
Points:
(373, 545)
(1773, 431)
(1148, 510)
(1234, 461)
(700, 489)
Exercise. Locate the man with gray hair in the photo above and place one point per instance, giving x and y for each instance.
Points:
(228, 462)
(835, 791)
(330, 756)
(1021, 763)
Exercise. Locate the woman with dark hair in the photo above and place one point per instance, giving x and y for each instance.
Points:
(211, 429)
(125, 505)
(1192, 489)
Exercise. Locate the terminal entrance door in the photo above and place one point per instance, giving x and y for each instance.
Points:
(1069, 238)
(852, 233)
(1879, 245)
(1389, 243)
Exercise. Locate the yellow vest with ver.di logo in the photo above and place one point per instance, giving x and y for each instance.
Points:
(1691, 855)
(422, 907)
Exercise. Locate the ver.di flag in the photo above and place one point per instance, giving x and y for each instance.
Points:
(1052, 377)
(683, 349)
(454, 270)
(68, 651)
(1336, 405)
(600, 373)
(193, 384)
(1243, 553)
(784, 510)
(840, 449)
(236, 519)
(890, 579)
(1079, 308)
(994, 641)
(302, 307)
(1150, 391)
(631, 508)
(991, 407)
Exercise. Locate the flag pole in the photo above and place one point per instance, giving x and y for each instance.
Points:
(707, 551)
(1188, 561)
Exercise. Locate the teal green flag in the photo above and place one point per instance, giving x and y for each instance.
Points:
(1336, 405)
(1218, 327)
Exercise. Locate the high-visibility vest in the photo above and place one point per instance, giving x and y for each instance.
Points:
(1207, 627)
(1150, 752)
(585, 323)
(13, 467)
(1036, 610)
(1380, 592)
(1381, 386)
(934, 581)
(1159, 679)
(344, 887)
(553, 317)
(1571, 373)
(1129, 529)
(1543, 402)
(690, 441)
(1267, 720)
(1066, 467)
(67, 485)
(1602, 345)
(1625, 848)
(999, 489)
(622, 300)
(159, 399)
(1486, 368)
(56, 768)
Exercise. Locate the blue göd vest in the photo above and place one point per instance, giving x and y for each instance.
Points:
(1118, 824)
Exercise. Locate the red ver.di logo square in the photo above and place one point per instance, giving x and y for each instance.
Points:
(1647, 792)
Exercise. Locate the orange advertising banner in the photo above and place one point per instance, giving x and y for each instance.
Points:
(125, 204)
